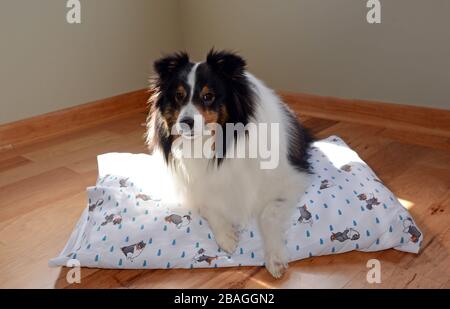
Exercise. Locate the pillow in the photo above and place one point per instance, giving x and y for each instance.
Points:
(133, 221)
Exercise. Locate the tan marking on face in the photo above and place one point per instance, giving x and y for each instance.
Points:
(205, 90)
(182, 91)
(210, 116)
(223, 114)
(170, 116)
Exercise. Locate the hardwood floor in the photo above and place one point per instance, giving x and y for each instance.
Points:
(42, 194)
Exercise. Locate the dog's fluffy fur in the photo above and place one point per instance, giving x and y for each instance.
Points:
(229, 192)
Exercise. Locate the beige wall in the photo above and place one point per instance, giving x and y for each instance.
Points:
(47, 64)
(326, 47)
(315, 46)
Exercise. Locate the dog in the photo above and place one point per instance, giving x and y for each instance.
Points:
(229, 191)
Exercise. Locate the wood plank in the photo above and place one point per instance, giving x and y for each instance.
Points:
(12, 162)
(396, 116)
(71, 119)
(36, 168)
(42, 200)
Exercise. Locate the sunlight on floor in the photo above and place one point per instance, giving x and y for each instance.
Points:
(262, 283)
(407, 204)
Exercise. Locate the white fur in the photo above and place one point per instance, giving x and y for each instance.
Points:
(229, 196)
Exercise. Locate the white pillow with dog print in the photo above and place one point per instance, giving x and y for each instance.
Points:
(132, 219)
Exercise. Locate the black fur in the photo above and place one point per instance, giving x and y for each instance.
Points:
(300, 140)
(229, 70)
(222, 70)
(225, 73)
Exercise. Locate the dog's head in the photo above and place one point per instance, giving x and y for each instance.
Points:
(187, 96)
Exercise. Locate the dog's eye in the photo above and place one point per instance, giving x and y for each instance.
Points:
(208, 98)
(179, 96)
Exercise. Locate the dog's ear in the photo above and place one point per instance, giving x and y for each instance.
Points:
(167, 65)
(227, 63)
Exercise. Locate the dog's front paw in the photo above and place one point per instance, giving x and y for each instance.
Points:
(227, 239)
(276, 265)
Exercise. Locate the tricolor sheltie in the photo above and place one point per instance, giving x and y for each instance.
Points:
(227, 190)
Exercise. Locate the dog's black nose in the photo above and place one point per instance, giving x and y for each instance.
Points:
(188, 121)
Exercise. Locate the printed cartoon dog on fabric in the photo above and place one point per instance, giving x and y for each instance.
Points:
(133, 251)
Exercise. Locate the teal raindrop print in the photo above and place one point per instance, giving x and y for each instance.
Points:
(88, 247)
(111, 249)
(297, 247)
(357, 246)
(124, 210)
(402, 240)
(308, 233)
(354, 223)
(367, 233)
(120, 262)
(109, 197)
(390, 229)
(197, 245)
(325, 205)
(253, 255)
(159, 252)
(331, 228)
(165, 228)
(146, 211)
(168, 265)
(200, 222)
(339, 212)
(377, 220)
(333, 249)
(104, 238)
(188, 230)
(251, 234)
(321, 241)
(174, 242)
(385, 206)
(150, 241)
(209, 236)
(98, 229)
(183, 254)
(310, 254)
(142, 227)
(117, 204)
(119, 226)
(133, 219)
(144, 264)
(127, 239)
(378, 241)
(362, 208)
(97, 258)
(241, 251)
